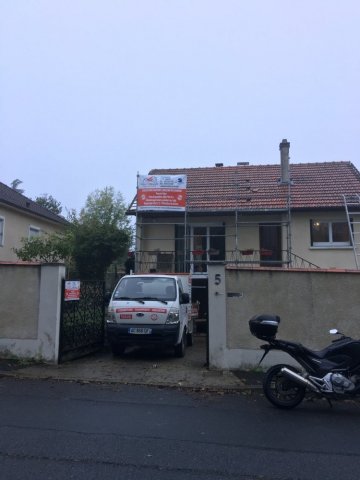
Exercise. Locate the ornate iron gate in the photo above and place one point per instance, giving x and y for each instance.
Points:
(82, 321)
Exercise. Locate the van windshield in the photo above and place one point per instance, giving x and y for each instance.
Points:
(147, 288)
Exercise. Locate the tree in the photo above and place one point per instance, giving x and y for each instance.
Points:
(105, 207)
(14, 185)
(49, 202)
(48, 248)
(102, 233)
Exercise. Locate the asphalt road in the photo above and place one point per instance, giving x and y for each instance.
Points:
(61, 430)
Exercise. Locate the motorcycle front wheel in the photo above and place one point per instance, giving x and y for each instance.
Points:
(280, 390)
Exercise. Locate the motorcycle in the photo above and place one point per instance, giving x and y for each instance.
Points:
(332, 373)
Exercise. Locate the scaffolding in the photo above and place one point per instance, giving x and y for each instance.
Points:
(175, 249)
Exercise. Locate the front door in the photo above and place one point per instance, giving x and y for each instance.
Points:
(270, 245)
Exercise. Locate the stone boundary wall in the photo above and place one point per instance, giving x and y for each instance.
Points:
(30, 305)
(309, 303)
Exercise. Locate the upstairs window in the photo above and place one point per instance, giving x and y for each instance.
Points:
(2, 225)
(34, 231)
(329, 234)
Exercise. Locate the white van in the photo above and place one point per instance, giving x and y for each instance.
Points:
(150, 309)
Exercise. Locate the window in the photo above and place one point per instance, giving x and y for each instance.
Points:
(2, 225)
(329, 234)
(34, 231)
(203, 244)
(208, 244)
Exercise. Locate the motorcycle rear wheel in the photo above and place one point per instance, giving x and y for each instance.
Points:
(280, 390)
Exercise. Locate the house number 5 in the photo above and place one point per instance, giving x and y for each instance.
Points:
(217, 279)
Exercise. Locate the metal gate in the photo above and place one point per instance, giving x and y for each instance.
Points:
(82, 321)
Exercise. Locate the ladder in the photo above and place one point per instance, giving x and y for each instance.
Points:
(352, 208)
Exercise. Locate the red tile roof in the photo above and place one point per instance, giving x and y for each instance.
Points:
(258, 187)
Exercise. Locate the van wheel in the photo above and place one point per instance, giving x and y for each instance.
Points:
(117, 349)
(189, 339)
(181, 347)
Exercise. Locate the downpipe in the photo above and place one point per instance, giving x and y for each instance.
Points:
(299, 379)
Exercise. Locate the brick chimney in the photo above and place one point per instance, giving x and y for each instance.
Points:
(284, 159)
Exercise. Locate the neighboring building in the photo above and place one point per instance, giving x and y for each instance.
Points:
(254, 215)
(21, 217)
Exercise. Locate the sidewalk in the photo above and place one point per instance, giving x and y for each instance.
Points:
(139, 367)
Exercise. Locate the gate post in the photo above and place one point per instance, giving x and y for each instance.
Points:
(217, 315)
(49, 311)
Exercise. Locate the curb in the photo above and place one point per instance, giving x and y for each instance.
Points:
(198, 387)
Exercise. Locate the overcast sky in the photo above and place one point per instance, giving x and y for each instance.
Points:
(92, 92)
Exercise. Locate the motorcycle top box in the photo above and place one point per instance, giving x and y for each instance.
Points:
(264, 326)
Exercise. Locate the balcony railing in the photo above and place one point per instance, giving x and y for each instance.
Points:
(196, 261)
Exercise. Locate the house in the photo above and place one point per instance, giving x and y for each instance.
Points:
(284, 215)
(21, 217)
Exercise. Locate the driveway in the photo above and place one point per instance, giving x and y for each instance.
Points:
(139, 367)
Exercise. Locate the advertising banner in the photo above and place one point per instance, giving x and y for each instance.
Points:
(161, 192)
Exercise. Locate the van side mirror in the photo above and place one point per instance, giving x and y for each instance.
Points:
(185, 298)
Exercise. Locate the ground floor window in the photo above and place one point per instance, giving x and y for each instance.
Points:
(203, 244)
(207, 244)
(329, 233)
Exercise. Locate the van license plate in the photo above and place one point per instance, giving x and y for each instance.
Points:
(140, 331)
